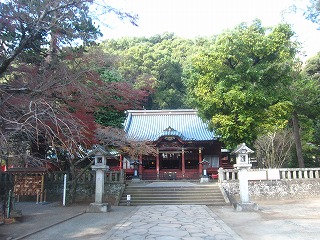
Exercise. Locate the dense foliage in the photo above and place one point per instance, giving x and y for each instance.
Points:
(241, 83)
(313, 12)
(60, 91)
(155, 64)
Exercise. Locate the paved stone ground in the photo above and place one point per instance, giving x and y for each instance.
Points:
(172, 222)
(53, 221)
(276, 220)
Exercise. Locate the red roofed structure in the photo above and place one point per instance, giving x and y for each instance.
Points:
(182, 141)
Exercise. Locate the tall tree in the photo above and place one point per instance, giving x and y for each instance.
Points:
(307, 105)
(313, 12)
(32, 26)
(241, 83)
(49, 88)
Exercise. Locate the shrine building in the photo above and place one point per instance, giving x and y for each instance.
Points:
(182, 141)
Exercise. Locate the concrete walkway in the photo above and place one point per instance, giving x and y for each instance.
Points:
(172, 222)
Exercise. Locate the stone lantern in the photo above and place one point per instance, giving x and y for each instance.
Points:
(204, 178)
(242, 153)
(136, 165)
(100, 166)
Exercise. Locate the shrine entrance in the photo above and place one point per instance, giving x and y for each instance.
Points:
(170, 160)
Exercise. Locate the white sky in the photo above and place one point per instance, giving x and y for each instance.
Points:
(191, 18)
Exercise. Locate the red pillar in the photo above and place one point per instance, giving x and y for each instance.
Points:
(200, 160)
(140, 166)
(121, 162)
(183, 163)
(158, 164)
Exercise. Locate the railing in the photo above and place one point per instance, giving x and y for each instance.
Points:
(299, 173)
(86, 178)
(115, 176)
(227, 174)
(170, 175)
(271, 174)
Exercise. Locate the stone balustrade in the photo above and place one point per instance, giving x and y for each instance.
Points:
(270, 174)
(87, 177)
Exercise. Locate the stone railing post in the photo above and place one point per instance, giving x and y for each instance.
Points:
(220, 175)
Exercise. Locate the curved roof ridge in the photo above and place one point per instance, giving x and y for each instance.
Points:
(162, 111)
(169, 131)
(149, 125)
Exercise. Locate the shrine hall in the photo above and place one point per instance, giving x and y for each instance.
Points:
(182, 141)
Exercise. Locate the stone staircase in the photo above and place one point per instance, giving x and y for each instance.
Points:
(173, 194)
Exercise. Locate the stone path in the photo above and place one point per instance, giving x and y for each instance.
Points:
(172, 222)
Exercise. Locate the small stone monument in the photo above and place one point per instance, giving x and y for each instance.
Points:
(136, 165)
(242, 153)
(204, 178)
(100, 166)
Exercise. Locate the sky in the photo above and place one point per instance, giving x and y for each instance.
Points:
(192, 18)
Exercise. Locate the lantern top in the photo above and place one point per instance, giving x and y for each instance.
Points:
(242, 149)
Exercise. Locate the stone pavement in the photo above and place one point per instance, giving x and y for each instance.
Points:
(276, 220)
(172, 222)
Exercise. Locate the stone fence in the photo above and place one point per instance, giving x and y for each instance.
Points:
(53, 186)
(270, 174)
(86, 178)
(273, 184)
(114, 185)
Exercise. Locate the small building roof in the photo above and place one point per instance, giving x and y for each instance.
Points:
(100, 150)
(150, 125)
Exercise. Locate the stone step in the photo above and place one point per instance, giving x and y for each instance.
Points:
(143, 203)
(163, 191)
(191, 196)
(169, 195)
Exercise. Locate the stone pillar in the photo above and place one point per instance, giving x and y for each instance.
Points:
(98, 205)
(244, 204)
(183, 163)
(100, 172)
(122, 176)
(243, 183)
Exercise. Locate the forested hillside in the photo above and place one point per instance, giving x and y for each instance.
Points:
(246, 82)
(156, 64)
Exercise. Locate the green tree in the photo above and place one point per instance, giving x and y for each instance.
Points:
(241, 83)
(313, 12)
(48, 87)
(307, 105)
(156, 64)
(31, 27)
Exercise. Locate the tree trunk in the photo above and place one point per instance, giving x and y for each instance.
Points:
(297, 139)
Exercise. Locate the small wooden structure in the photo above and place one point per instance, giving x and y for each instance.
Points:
(29, 182)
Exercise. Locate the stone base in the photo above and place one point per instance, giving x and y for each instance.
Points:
(99, 208)
(135, 179)
(246, 207)
(204, 179)
(16, 215)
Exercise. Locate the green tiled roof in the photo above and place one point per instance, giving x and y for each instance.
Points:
(149, 125)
